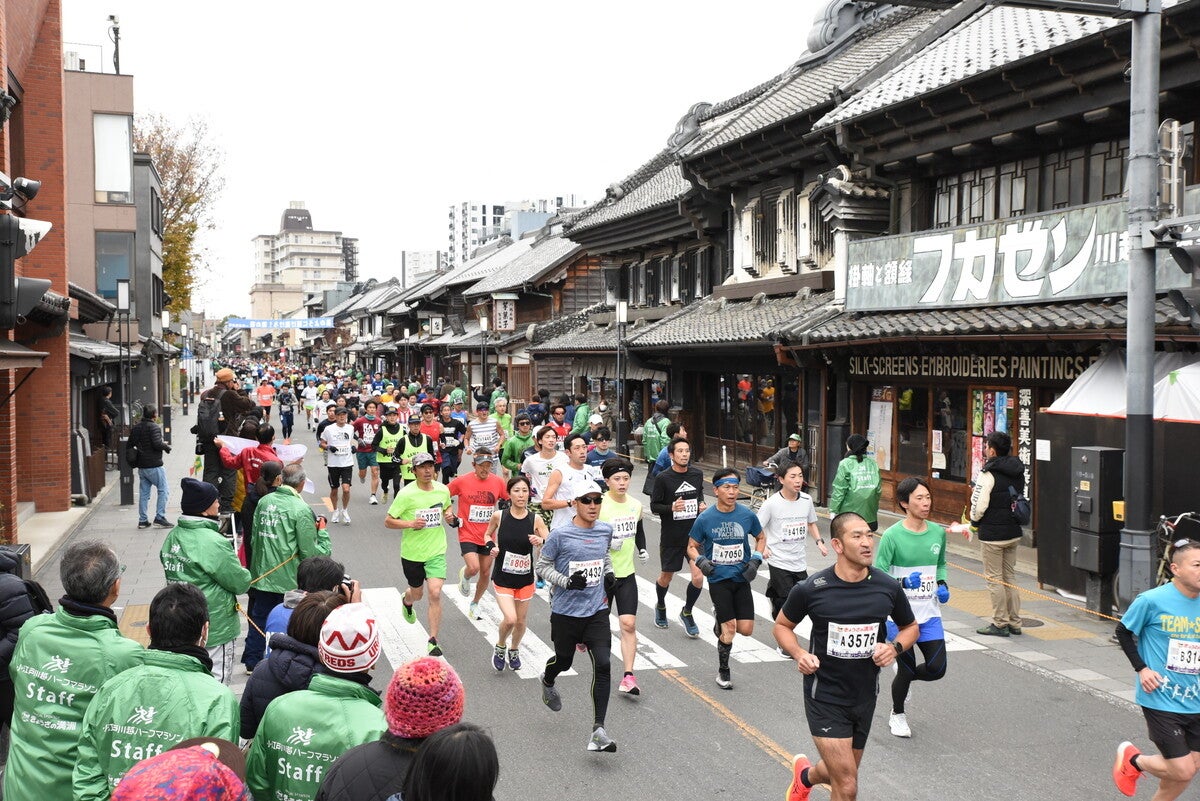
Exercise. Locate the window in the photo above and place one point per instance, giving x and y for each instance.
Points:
(156, 212)
(158, 294)
(114, 260)
(113, 157)
(951, 462)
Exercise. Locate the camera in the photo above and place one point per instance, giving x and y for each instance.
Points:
(348, 585)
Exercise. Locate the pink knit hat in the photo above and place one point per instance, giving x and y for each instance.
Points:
(349, 641)
(423, 697)
(188, 774)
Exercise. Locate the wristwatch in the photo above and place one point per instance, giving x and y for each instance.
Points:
(899, 648)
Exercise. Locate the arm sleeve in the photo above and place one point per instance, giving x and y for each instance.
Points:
(941, 563)
(658, 499)
(545, 569)
(1129, 646)
(378, 438)
(639, 536)
(981, 496)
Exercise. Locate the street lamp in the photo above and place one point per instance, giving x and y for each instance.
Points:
(622, 315)
(407, 334)
(483, 329)
(123, 310)
(187, 371)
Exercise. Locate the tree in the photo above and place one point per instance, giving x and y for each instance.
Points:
(188, 166)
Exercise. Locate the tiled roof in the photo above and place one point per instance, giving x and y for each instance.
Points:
(561, 325)
(588, 337)
(810, 84)
(722, 321)
(657, 182)
(544, 256)
(1030, 319)
(492, 258)
(997, 36)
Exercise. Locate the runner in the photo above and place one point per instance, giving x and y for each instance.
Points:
(450, 443)
(564, 477)
(1165, 658)
(624, 514)
(913, 551)
(847, 604)
(423, 507)
(411, 444)
(786, 517)
(575, 559)
(477, 493)
(365, 429)
(387, 438)
(719, 545)
(677, 499)
(484, 432)
(337, 441)
(537, 468)
(512, 533)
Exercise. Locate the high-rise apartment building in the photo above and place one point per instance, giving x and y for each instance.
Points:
(298, 261)
(418, 265)
(474, 222)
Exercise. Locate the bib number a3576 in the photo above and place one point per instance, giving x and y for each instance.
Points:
(852, 640)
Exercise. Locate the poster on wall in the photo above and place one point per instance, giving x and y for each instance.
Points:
(977, 413)
(879, 426)
(977, 459)
(1003, 404)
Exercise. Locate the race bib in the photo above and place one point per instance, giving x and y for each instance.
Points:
(517, 563)
(623, 528)
(593, 570)
(928, 581)
(728, 554)
(593, 472)
(691, 508)
(451, 443)
(793, 532)
(432, 517)
(852, 640)
(480, 514)
(1183, 656)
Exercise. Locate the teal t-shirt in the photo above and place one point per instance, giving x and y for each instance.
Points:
(1167, 625)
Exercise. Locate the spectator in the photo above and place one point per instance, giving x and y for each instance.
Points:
(235, 404)
(337, 712)
(459, 763)
(654, 433)
(197, 553)
(170, 698)
(69, 654)
(314, 574)
(19, 601)
(424, 697)
(108, 414)
(147, 437)
(793, 453)
(270, 478)
(205, 769)
(856, 486)
(1000, 480)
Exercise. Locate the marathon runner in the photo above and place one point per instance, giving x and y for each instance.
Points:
(512, 534)
(387, 439)
(478, 493)
(847, 604)
(365, 428)
(624, 514)
(677, 499)
(788, 517)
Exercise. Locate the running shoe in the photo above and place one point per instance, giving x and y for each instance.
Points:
(346, 516)
(473, 611)
(514, 659)
(797, 791)
(163, 522)
(336, 517)
(660, 616)
(1125, 775)
(723, 679)
(464, 583)
(898, 723)
(550, 696)
(1015, 630)
(410, 614)
(432, 648)
(373, 500)
(629, 686)
(601, 741)
(689, 623)
(498, 658)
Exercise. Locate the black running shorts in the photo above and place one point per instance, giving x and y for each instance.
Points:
(1175, 734)
(840, 722)
(733, 600)
(625, 595)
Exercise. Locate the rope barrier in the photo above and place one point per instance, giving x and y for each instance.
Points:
(1040, 595)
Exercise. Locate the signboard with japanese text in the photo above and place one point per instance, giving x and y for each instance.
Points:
(296, 322)
(1064, 255)
(504, 315)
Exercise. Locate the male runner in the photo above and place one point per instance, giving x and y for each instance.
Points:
(719, 546)
(450, 443)
(537, 467)
(788, 517)
(560, 486)
(387, 439)
(337, 441)
(913, 551)
(1165, 657)
(365, 429)
(477, 493)
(484, 432)
(422, 508)
(575, 559)
(624, 514)
(847, 604)
(410, 445)
(677, 499)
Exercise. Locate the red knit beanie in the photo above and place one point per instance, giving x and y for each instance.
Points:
(423, 697)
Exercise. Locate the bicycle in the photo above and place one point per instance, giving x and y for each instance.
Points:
(763, 482)
(1168, 540)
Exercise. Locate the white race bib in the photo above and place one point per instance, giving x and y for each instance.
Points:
(793, 532)
(1183, 656)
(593, 570)
(852, 640)
(518, 563)
(452, 443)
(928, 581)
(691, 508)
(728, 554)
(480, 514)
(432, 517)
(593, 472)
(623, 528)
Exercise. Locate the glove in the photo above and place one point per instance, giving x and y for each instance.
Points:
(705, 564)
(454, 522)
(752, 566)
(644, 556)
(610, 583)
(943, 592)
(912, 581)
(577, 581)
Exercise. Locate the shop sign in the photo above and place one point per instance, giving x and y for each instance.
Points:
(272, 322)
(1064, 255)
(504, 315)
(1016, 369)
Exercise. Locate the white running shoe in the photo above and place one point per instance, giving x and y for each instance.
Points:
(336, 517)
(374, 501)
(346, 516)
(899, 725)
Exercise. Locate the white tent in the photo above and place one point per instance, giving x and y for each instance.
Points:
(1100, 390)
(1177, 395)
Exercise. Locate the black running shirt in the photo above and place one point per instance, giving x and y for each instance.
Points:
(847, 620)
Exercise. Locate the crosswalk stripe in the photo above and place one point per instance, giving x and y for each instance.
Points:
(649, 655)
(402, 642)
(534, 651)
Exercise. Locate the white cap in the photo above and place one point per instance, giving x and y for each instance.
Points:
(595, 418)
(586, 488)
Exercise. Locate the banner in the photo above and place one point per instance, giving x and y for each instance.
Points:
(298, 322)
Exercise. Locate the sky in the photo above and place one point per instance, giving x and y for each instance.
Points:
(379, 115)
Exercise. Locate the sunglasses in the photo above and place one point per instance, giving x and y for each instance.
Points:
(590, 500)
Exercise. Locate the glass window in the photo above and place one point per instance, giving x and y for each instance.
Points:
(114, 260)
(912, 408)
(113, 157)
(949, 440)
(881, 425)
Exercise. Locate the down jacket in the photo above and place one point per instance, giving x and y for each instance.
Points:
(370, 772)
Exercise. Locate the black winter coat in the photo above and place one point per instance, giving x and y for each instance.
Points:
(290, 667)
(19, 601)
(147, 437)
(373, 771)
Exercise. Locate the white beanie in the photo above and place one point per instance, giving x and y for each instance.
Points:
(349, 639)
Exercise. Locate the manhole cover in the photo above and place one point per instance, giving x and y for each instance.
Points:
(1031, 623)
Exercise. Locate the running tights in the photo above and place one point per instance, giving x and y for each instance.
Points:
(933, 668)
(601, 654)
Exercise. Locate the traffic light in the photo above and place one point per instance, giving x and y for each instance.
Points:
(18, 295)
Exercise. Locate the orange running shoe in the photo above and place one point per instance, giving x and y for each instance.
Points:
(1125, 775)
(797, 791)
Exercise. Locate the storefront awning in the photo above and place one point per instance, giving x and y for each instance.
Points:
(15, 357)
(98, 350)
(607, 368)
